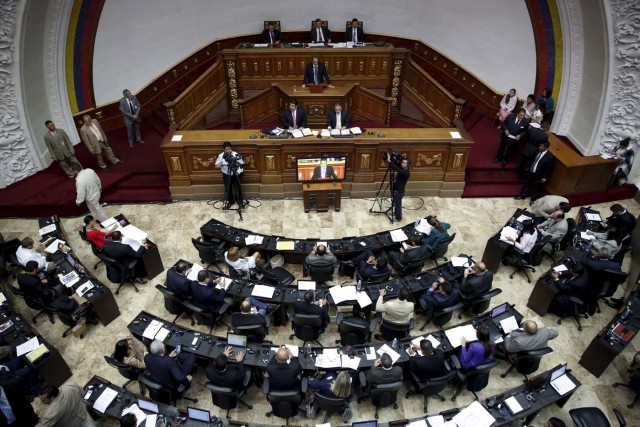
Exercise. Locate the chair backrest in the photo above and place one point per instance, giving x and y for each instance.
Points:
(386, 394)
(589, 417)
(391, 330)
(129, 372)
(436, 385)
(307, 326)
(83, 236)
(527, 362)
(477, 378)
(348, 25)
(9, 247)
(571, 233)
(441, 249)
(66, 318)
(204, 317)
(276, 24)
(233, 273)
(325, 24)
(354, 331)
(250, 325)
(331, 405)
(414, 266)
(172, 302)
(208, 251)
(442, 316)
(285, 404)
(534, 257)
(321, 274)
(481, 303)
(157, 391)
(115, 270)
(223, 397)
(380, 277)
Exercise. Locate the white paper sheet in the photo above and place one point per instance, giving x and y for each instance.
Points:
(335, 132)
(560, 268)
(295, 350)
(151, 330)
(329, 359)
(508, 232)
(162, 334)
(593, 217)
(133, 232)
(436, 421)
(509, 324)
(391, 352)
(3, 298)
(135, 410)
(473, 415)
(53, 247)
(418, 423)
(513, 405)
(363, 299)
(461, 261)
(345, 132)
(370, 352)
(176, 138)
(135, 245)
(398, 235)
(434, 341)
(563, 385)
(325, 133)
(263, 291)
(455, 334)
(102, 403)
(356, 130)
(424, 227)
(253, 239)
(107, 223)
(306, 132)
(455, 135)
(586, 236)
(83, 289)
(27, 347)
(343, 293)
(152, 420)
(522, 218)
(349, 363)
(277, 131)
(195, 269)
(297, 133)
(306, 285)
(48, 229)
(224, 282)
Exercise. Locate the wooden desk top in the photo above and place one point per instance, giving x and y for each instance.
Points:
(568, 157)
(322, 186)
(293, 91)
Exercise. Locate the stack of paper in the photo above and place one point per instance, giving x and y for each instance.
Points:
(461, 261)
(385, 349)
(356, 130)
(454, 335)
(27, 346)
(508, 232)
(522, 218)
(363, 299)
(560, 268)
(37, 353)
(329, 359)
(83, 289)
(513, 405)
(53, 247)
(350, 363)
(343, 293)
(424, 227)
(593, 217)
(107, 223)
(48, 229)
(102, 403)
(252, 239)
(563, 385)
(135, 410)
(307, 132)
(153, 328)
(335, 132)
(277, 131)
(261, 45)
(296, 133)
(224, 282)
(195, 269)
(133, 232)
(473, 415)
(263, 291)
(398, 235)
(509, 324)
(325, 133)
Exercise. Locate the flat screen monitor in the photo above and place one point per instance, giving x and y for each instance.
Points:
(236, 340)
(558, 372)
(373, 423)
(499, 310)
(305, 285)
(148, 406)
(319, 169)
(198, 414)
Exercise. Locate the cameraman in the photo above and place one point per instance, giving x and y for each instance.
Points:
(401, 166)
(231, 163)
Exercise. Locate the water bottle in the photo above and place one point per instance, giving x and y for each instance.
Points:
(359, 286)
(417, 222)
(308, 350)
(394, 343)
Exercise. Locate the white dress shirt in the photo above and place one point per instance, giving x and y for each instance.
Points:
(25, 255)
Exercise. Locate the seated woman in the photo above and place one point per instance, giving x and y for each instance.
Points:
(478, 352)
(241, 264)
(438, 233)
(96, 236)
(527, 237)
(530, 107)
(609, 239)
(131, 352)
(336, 386)
(547, 105)
(507, 104)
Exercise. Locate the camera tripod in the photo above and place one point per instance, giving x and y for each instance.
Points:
(384, 186)
(233, 191)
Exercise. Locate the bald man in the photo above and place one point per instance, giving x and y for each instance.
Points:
(476, 281)
(283, 370)
(529, 337)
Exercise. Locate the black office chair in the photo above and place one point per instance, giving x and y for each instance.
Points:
(382, 395)
(173, 304)
(413, 267)
(390, 330)
(277, 276)
(163, 394)
(610, 280)
(441, 316)
(205, 317)
(441, 250)
(211, 253)
(375, 278)
(478, 304)
(71, 319)
(227, 398)
(40, 307)
(625, 247)
(16, 267)
(572, 230)
(129, 372)
(578, 309)
(250, 325)
(527, 261)
(354, 330)
(474, 379)
(432, 387)
(306, 327)
(234, 273)
(594, 417)
(119, 273)
(330, 405)
(284, 404)
(526, 362)
(7, 251)
(94, 248)
(321, 275)
(633, 385)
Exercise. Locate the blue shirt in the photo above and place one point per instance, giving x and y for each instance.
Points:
(473, 355)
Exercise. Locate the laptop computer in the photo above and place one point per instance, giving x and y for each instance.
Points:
(558, 372)
(499, 313)
(145, 405)
(236, 340)
(198, 417)
(373, 423)
(304, 286)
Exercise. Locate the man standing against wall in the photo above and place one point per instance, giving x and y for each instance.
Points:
(96, 141)
(130, 108)
(60, 147)
(88, 189)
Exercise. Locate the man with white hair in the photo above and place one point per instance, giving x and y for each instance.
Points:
(88, 189)
(173, 370)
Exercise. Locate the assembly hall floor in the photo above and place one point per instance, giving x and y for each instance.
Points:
(172, 226)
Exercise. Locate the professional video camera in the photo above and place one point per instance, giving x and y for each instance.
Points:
(394, 156)
(232, 161)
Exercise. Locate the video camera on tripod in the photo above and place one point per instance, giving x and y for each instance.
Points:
(232, 161)
(394, 156)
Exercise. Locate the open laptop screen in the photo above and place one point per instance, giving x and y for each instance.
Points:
(557, 373)
(236, 340)
(148, 406)
(365, 424)
(198, 414)
(499, 310)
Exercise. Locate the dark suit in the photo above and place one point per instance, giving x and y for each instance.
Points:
(366, 270)
(329, 173)
(359, 34)
(267, 39)
(206, 297)
(600, 264)
(569, 287)
(435, 300)
(313, 34)
(303, 307)
(398, 260)
(170, 371)
(284, 376)
(624, 223)
(231, 377)
(33, 287)
(124, 254)
(344, 119)
(542, 166)
(379, 375)
(508, 145)
(536, 136)
(428, 367)
(476, 284)
(178, 283)
(16, 393)
(321, 74)
(301, 118)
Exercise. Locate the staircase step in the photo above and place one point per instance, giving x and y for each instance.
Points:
(504, 176)
(147, 180)
(491, 190)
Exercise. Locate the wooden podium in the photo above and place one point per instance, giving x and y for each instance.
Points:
(541, 296)
(318, 196)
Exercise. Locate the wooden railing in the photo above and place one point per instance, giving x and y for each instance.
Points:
(261, 107)
(199, 98)
(368, 105)
(430, 97)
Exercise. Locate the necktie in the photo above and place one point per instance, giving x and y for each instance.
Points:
(5, 407)
(293, 117)
(133, 111)
(517, 121)
(535, 164)
(315, 74)
(271, 37)
(324, 172)
(320, 38)
(355, 36)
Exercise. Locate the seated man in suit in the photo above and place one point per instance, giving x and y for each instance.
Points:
(598, 260)
(538, 173)
(294, 116)
(513, 128)
(440, 295)
(309, 306)
(319, 257)
(124, 254)
(177, 281)
(383, 372)
(270, 34)
(547, 206)
(256, 307)
(26, 253)
(206, 296)
(476, 281)
(354, 33)
(316, 73)
(414, 251)
(369, 265)
(530, 337)
(556, 227)
(171, 370)
(283, 370)
(323, 171)
(396, 310)
(428, 365)
(223, 374)
(575, 284)
(40, 289)
(318, 33)
(621, 220)
(338, 118)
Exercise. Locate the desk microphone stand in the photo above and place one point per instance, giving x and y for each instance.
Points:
(384, 186)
